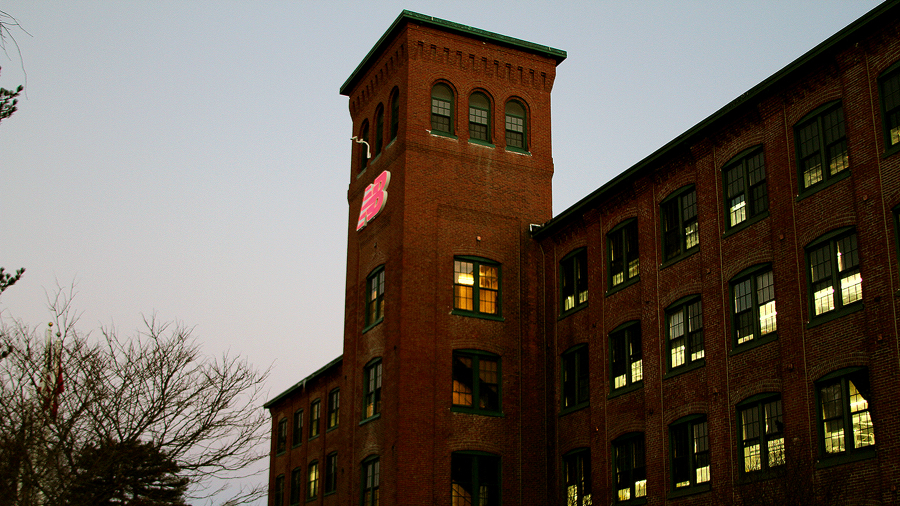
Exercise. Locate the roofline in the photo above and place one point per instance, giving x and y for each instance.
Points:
(302, 383)
(448, 26)
(750, 97)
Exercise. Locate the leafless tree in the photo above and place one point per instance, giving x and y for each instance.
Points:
(63, 393)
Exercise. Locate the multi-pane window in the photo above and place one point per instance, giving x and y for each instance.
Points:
(312, 480)
(372, 389)
(479, 117)
(476, 286)
(281, 441)
(395, 113)
(577, 467)
(476, 381)
(689, 440)
(331, 473)
(315, 413)
(297, 433)
(625, 355)
(684, 321)
(296, 486)
(631, 469)
(845, 418)
(442, 109)
(624, 263)
(680, 231)
(515, 125)
(575, 377)
(753, 306)
(278, 491)
(745, 187)
(821, 145)
(834, 277)
(379, 129)
(371, 480)
(761, 429)
(334, 408)
(375, 296)
(363, 146)
(889, 84)
(574, 280)
(474, 479)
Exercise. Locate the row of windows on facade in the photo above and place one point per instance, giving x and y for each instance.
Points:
(845, 432)
(315, 419)
(481, 124)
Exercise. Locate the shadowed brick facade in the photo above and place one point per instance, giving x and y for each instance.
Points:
(717, 322)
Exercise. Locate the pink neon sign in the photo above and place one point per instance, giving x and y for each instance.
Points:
(373, 199)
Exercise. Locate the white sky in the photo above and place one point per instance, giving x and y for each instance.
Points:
(192, 158)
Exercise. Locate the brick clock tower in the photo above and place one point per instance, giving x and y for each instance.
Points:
(444, 379)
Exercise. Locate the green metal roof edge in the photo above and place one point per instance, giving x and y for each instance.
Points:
(811, 56)
(503, 40)
(302, 383)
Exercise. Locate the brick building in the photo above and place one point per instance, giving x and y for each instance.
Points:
(477, 369)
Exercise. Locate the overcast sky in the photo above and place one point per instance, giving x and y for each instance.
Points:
(192, 158)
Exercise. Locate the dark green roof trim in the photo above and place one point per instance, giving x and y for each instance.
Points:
(856, 30)
(302, 383)
(448, 26)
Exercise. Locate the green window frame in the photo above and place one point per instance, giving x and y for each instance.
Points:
(575, 378)
(442, 109)
(897, 231)
(678, 220)
(363, 146)
(684, 334)
(479, 117)
(375, 297)
(395, 113)
(821, 143)
(577, 470)
(889, 89)
(833, 274)
(689, 454)
(476, 382)
(474, 479)
(753, 314)
(573, 275)
(334, 408)
(297, 433)
(761, 433)
(379, 129)
(296, 486)
(625, 357)
(312, 480)
(315, 414)
(281, 438)
(846, 428)
(330, 473)
(624, 259)
(278, 491)
(371, 481)
(630, 471)
(372, 389)
(516, 126)
(476, 287)
(746, 194)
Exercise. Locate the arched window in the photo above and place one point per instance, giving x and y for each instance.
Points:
(479, 117)
(379, 129)
(442, 109)
(515, 125)
(395, 113)
(363, 146)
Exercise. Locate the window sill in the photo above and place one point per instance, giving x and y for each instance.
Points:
(697, 364)
(519, 151)
(298, 445)
(623, 285)
(748, 477)
(823, 184)
(846, 458)
(674, 260)
(686, 491)
(474, 411)
(326, 494)
(364, 421)
(472, 314)
(891, 150)
(626, 389)
(834, 314)
(755, 343)
(575, 309)
(330, 429)
(313, 437)
(746, 224)
(633, 502)
(479, 142)
(278, 454)
(447, 135)
(372, 325)
(572, 409)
